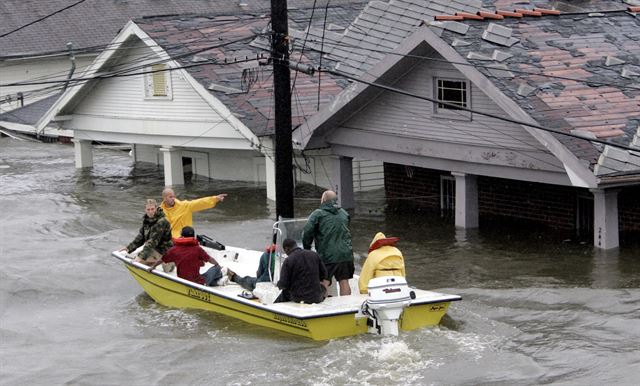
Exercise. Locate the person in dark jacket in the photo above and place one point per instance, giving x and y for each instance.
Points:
(262, 275)
(301, 276)
(328, 228)
(188, 257)
(154, 234)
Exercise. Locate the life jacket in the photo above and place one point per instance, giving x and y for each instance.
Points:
(185, 241)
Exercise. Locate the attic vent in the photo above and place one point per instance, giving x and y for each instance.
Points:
(158, 82)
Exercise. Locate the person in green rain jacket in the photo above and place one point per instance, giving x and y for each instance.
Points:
(328, 228)
(155, 234)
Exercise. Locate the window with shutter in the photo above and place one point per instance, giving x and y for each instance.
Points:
(157, 82)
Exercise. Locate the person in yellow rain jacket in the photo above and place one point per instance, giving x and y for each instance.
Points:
(180, 213)
(384, 259)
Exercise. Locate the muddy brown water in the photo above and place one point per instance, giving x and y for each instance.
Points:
(535, 310)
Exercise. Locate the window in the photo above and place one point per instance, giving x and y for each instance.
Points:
(453, 92)
(158, 82)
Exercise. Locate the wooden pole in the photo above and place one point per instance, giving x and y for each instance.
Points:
(282, 100)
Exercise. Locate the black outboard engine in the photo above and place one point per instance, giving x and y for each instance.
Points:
(209, 242)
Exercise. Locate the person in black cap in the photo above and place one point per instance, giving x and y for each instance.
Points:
(301, 275)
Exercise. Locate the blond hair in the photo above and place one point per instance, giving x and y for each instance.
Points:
(151, 201)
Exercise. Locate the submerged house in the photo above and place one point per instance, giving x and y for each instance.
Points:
(195, 92)
(467, 112)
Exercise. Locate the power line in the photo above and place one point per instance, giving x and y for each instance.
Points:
(42, 18)
(126, 72)
(456, 106)
(350, 46)
(106, 47)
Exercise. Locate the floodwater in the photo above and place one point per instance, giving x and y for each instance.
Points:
(535, 310)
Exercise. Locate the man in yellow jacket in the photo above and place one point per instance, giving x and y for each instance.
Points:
(180, 213)
(384, 259)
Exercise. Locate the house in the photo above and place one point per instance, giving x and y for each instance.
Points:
(195, 91)
(507, 84)
(38, 53)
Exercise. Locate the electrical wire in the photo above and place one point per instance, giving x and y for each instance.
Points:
(304, 42)
(324, 29)
(336, 73)
(455, 106)
(476, 65)
(42, 18)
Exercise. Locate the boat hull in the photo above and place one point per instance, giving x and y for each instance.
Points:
(176, 294)
(423, 315)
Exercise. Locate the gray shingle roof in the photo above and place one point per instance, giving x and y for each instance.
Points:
(382, 26)
(601, 51)
(246, 88)
(95, 23)
(31, 113)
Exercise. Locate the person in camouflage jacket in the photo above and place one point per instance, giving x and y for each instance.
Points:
(155, 234)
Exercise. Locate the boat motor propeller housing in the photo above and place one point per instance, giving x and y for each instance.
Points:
(388, 296)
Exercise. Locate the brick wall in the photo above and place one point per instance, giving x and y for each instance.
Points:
(412, 188)
(552, 206)
(629, 209)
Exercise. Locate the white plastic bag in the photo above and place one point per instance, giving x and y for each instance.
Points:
(267, 292)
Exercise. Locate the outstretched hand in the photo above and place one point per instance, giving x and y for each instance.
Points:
(221, 196)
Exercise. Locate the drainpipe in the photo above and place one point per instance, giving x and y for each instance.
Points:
(73, 65)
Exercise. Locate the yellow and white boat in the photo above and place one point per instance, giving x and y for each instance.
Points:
(389, 305)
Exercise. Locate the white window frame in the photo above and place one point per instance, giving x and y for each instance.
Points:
(149, 86)
(450, 113)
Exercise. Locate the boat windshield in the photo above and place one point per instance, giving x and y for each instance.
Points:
(288, 229)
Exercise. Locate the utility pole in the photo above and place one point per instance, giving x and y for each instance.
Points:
(282, 96)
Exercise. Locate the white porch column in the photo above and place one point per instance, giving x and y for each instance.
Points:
(343, 181)
(466, 200)
(268, 150)
(173, 173)
(84, 153)
(605, 218)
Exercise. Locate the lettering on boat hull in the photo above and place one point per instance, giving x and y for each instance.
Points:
(201, 295)
(289, 320)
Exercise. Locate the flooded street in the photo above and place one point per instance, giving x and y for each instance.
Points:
(535, 310)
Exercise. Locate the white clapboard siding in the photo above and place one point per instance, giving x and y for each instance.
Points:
(412, 117)
(121, 101)
(36, 70)
(367, 175)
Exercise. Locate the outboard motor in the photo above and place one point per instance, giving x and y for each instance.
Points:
(388, 296)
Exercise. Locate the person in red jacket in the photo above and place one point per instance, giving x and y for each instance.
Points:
(188, 257)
